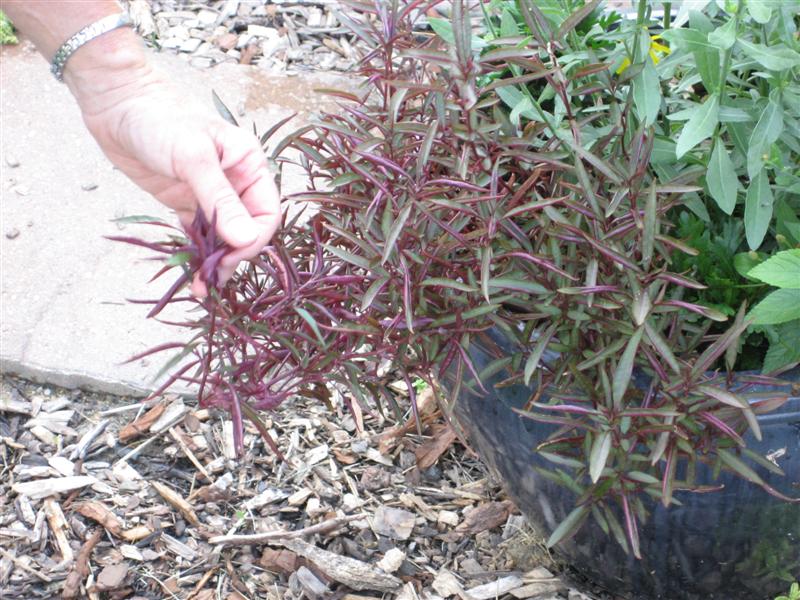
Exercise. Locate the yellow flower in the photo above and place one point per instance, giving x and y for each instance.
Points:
(657, 52)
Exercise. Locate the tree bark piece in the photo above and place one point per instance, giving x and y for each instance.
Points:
(353, 573)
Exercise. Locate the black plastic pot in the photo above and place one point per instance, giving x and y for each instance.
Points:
(738, 543)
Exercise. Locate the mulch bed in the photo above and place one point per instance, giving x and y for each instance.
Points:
(106, 497)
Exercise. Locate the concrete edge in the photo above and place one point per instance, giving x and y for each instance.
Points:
(80, 380)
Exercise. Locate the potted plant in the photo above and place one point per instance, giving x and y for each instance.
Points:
(495, 214)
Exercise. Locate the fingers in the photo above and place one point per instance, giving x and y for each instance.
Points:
(217, 198)
(232, 181)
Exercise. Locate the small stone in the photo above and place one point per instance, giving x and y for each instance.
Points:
(190, 45)
(392, 560)
(89, 186)
(12, 161)
(12, 233)
(227, 41)
(21, 190)
(207, 17)
(261, 31)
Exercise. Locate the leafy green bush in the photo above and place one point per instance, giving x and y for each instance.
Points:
(794, 593)
(724, 102)
(6, 31)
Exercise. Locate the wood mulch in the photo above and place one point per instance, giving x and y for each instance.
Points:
(104, 497)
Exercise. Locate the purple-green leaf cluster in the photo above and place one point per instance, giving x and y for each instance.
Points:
(434, 215)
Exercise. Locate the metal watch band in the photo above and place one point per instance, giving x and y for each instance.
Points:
(86, 34)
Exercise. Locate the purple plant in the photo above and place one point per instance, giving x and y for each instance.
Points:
(435, 218)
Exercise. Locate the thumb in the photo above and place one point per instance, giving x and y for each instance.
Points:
(216, 195)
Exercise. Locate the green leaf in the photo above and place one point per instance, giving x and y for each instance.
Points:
(572, 21)
(508, 24)
(486, 270)
(760, 10)
(736, 464)
(598, 457)
(700, 126)
(647, 93)
(444, 29)
(780, 306)
(774, 58)
(721, 178)
(724, 37)
(744, 262)
(223, 110)
(706, 55)
(449, 283)
(569, 526)
(372, 291)
(784, 350)
(787, 221)
(541, 345)
(622, 374)
(306, 316)
(394, 232)
(780, 270)
(179, 258)
(767, 130)
(138, 219)
(757, 210)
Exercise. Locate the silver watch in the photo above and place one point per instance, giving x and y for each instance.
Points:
(86, 34)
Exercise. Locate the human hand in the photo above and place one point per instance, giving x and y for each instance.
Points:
(189, 158)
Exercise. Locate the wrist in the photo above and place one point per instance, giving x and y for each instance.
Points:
(106, 69)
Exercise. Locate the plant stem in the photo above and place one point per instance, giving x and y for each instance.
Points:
(642, 12)
(667, 14)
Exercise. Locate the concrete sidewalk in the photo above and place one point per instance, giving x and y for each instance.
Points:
(63, 315)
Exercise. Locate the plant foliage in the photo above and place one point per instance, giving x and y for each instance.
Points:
(448, 201)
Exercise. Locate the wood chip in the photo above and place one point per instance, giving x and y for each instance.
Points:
(495, 589)
(99, 512)
(310, 583)
(111, 577)
(353, 573)
(446, 584)
(42, 488)
(134, 534)
(59, 527)
(141, 425)
(82, 447)
(177, 501)
(394, 523)
(537, 590)
(278, 561)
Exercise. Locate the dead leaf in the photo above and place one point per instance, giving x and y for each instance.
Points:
(484, 517)
(442, 437)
